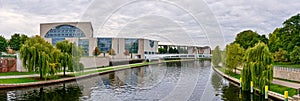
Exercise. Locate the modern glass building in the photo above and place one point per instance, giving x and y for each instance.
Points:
(81, 33)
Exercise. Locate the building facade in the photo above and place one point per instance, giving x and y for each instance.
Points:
(81, 33)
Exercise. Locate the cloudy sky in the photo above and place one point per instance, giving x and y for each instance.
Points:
(159, 19)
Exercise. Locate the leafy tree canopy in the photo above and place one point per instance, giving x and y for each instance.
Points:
(3, 44)
(249, 38)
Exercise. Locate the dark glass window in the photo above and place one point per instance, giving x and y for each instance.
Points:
(84, 44)
(132, 45)
(55, 40)
(104, 44)
(64, 31)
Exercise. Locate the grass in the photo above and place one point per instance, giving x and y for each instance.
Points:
(274, 87)
(286, 64)
(17, 73)
(280, 89)
(16, 80)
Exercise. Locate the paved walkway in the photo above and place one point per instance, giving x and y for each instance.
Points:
(281, 82)
(38, 75)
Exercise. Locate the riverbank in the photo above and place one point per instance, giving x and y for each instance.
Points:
(25, 81)
(236, 81)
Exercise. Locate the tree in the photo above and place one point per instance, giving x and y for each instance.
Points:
(126, 53)
(258, 67)
(96, 51)
(274, 42)
(249, 38)
(70, 56)
(37, 55)
(3, 44)
(234, 57)
(281, 55)
(17, 41)
(295, 55)
(162, 50)
(112, 52)
(216, 58)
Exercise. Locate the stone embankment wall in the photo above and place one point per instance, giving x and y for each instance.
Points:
(90, 62)
(287, 73)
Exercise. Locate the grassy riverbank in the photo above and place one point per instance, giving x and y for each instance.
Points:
(274, 87)
(83, 73)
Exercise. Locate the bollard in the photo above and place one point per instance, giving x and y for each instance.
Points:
(240, 82)
(286, 95)
(251, 85)
(266, 92)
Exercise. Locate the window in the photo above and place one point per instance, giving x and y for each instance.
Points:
(84, 44)
(104, 44)
(132, 45)
(64, 31)
(55, 40)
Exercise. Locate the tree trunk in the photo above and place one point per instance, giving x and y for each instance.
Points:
(64, 70)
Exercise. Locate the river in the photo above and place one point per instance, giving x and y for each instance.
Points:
(173, 81)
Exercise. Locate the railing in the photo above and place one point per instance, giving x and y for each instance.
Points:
(287, 69)
(159, 56)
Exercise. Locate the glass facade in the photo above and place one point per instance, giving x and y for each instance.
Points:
(84, 44)
(151, 43)
(55, 40)
(104, 44)
(64, 31)
(132, 45)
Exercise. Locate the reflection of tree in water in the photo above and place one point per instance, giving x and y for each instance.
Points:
(216, 81)
(230, 94)
(3, 95)
(61, 93)
(173, 64)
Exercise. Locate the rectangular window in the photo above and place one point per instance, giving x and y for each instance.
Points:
(104, 44)
(132, 45)
(84, 44)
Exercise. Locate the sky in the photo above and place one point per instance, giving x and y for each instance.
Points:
(174, 21)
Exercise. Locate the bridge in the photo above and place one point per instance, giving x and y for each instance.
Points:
(175, 56)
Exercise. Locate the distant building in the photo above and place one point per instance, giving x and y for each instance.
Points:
(81, 33)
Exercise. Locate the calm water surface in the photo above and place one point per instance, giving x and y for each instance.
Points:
(176, 81)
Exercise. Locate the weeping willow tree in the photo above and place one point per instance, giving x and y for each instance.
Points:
(258, 67)
(37, 55)
(234, 57)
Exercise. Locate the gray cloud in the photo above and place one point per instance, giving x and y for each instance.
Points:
(263, 16)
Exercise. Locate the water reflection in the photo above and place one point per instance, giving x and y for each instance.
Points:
(58, 93)
(188, 80)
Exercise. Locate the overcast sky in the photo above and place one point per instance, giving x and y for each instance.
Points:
(174, 18)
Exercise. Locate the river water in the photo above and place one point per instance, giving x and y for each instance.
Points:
(173, 81)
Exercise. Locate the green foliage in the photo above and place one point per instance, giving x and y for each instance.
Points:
(35, 55)
(295, 55)
(234, 54)
(281, 56)
(17, 41)
(96, 51)
(3, 44)
(258, 67)
(173, 50)
(162, 50)
(249, 38)
(70, 56)
(216, 58)
(286, 37)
